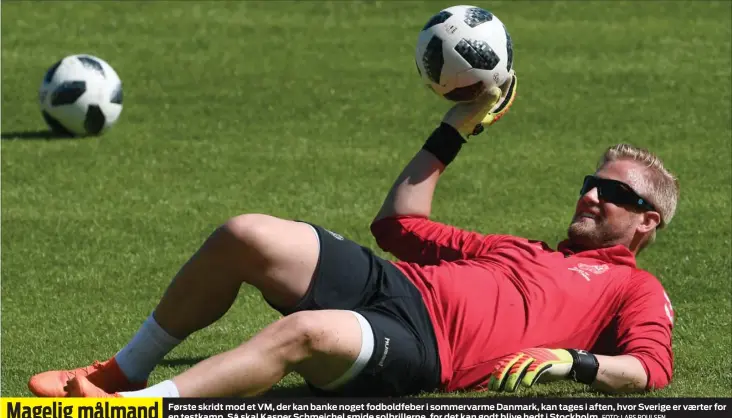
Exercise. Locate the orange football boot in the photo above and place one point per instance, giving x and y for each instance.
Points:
(105, 375)
(81, 387)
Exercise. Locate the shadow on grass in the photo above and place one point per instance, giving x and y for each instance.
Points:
(303, 391)
(299, 391)
(33, 135)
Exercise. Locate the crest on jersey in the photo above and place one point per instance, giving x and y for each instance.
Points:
(594, 269)
(586, 269)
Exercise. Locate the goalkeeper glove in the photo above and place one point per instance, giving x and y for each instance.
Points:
(541, 365)
(470, 118)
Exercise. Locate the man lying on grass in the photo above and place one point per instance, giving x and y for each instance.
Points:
(460, 311)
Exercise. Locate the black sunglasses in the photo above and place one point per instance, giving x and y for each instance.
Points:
(616, 192)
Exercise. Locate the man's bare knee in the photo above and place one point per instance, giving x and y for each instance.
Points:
(249, 229)
(277, 256)
(247, 241)
(328, 344)
(299, 336)
(310, 334)
(262, 236)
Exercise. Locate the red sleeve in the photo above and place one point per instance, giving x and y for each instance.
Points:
(417, 239)
(645, 323)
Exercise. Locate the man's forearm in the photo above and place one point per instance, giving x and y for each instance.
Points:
(413, 190)
(620, 374)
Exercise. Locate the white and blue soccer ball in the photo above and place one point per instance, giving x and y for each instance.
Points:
(463, 51)
(81, 95)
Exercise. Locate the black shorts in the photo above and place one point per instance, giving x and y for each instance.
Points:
(350, 277)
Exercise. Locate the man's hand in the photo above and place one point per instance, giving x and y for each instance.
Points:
(470, 118)
(542, 365)
(412, 192)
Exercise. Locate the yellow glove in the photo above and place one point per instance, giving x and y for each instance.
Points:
(470, 118)
(541, 365)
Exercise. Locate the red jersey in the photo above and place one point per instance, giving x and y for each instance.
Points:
(492, 295)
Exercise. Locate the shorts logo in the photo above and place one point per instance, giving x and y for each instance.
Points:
(386, 351)
(336, 236)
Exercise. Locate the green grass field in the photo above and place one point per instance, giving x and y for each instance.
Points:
(309, 110)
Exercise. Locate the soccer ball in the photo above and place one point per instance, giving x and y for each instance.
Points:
(463, 51)
(80, 95)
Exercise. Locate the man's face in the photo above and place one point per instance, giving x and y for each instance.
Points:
(597, 223)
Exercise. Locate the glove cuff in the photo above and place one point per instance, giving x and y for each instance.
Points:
(444, 143)
(584, 366)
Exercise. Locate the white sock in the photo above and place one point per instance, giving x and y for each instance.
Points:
(165, 389)
(140, 356)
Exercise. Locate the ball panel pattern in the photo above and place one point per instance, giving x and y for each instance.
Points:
(465, 94)
(462, 51)
(51, 71)
(477, 53)
(509, 51)
(68, 92)
(56, 126)
(117, 95)
(80, 95)
(95, 120)
(433, 60)
(437, 19)
(92, 64)
(475, 16)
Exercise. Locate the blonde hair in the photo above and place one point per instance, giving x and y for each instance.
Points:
(662, 187)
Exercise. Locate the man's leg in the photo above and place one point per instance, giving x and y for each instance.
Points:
(276, 256)
(326, 347)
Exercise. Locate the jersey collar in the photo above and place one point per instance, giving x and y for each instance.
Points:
(618, 254)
